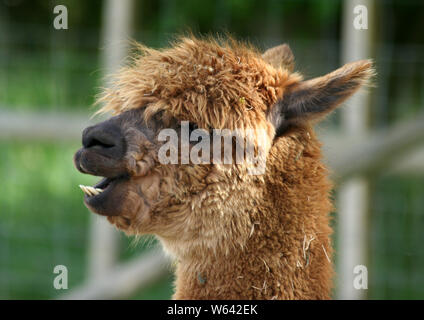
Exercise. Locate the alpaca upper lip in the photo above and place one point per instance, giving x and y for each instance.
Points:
(91, 161)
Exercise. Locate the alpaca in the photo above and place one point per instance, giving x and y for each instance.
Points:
(233, 234)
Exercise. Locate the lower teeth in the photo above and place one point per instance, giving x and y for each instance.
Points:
(90, 191)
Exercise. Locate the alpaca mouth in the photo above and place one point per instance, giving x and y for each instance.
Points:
(97, 197)
(96, 190)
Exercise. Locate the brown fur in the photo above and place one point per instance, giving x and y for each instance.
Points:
(233, 235)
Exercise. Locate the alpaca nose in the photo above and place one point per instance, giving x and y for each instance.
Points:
(105, 138)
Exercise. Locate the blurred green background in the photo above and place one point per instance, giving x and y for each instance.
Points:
(43, 221)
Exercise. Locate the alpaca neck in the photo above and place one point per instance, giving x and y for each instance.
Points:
(289, 267)
(239, 275)
(287, 253)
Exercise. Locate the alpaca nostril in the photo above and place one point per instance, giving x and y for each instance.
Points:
(105, 137)
(96, 142)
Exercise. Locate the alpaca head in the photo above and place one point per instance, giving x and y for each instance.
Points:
(190, 90)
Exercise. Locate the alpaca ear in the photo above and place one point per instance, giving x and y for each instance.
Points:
(280, 56)
(313, 99)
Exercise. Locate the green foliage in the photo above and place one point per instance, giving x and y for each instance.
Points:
(70, 81)
(396, 221)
